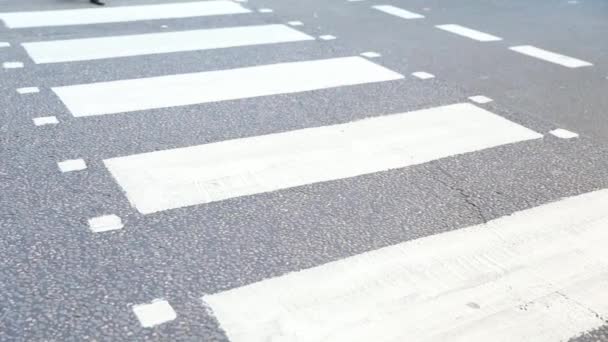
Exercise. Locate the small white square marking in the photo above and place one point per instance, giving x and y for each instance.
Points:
(105, 223)
(72, 165)
(28, 90)
(45, 120)
(563, 133)
(327, 37)
(12, 65)
(480, 99)
(265, 10)
(163, 26)
(370, 54)
(423, 75)
(155, 313)
(4, 44)
(295, 23)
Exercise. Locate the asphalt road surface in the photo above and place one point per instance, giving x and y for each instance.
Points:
(321, 170)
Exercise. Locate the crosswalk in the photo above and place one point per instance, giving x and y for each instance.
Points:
(538, 274)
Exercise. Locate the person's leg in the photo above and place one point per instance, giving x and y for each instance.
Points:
(97, 2)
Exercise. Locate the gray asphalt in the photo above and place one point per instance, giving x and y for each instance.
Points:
(60, 282)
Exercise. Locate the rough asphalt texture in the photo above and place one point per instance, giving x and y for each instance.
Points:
(60, 282)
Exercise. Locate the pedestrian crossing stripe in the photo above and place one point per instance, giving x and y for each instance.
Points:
(71, 50)
(538, 275)
(117, 14)
(180, 177)
(212, 86)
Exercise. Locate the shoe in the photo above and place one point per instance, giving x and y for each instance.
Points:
(97, 2)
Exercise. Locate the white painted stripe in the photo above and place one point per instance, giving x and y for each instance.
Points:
(423, 75)
(72, 165)
(45, 120)
(12, 65)
(549, 56)
(469, 33)
(105, 223)
(327, 37)
(187, 176)
(265, 10)
(537, 275)
(120, 14)
(563, 133)
(371, 54)
(480, 99)
(28, 90)
(4, 44)
(155, 313)
(156, 43)
(399, 12)
(187, 89)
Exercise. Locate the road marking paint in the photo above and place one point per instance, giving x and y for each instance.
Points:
(45, 120)
(105, 223)
(72, 165)
(469, 33)
(563, 133)
(371, 54)
(423, 75)
(12, 65)
(265, 10)
(181, 177)
(480, 99)
(4, 44)
(28, 90)
(155, 313)
(327, 37)
(212, 86)
(164, 26)
(295, 23)
(538, 275)
(549, 56)
(120, 14)
(398, 12)
(156, 43)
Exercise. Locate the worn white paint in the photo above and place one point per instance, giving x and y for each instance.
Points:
(70, 50)
(157, 312)
(45, 120)
(105, 223)
(370, 54)
(265, 10)
(563, 133)
(538, 275)
(295, 23)
(12, 65)
(398, 12)
(549, 56)
(423, 75)
(193, 175)
(72, 165)
(469, 33)
(28, 90)
(120, 14)
(187, 89)
(4, 44)
(327, 37)
(480, 99)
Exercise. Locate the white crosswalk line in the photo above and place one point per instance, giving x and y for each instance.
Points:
(193, 175)
(120, 14)
(399, 12)
(469, 33)
(156, 43)
(537, 275)
(549, 56)
(187, 89)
